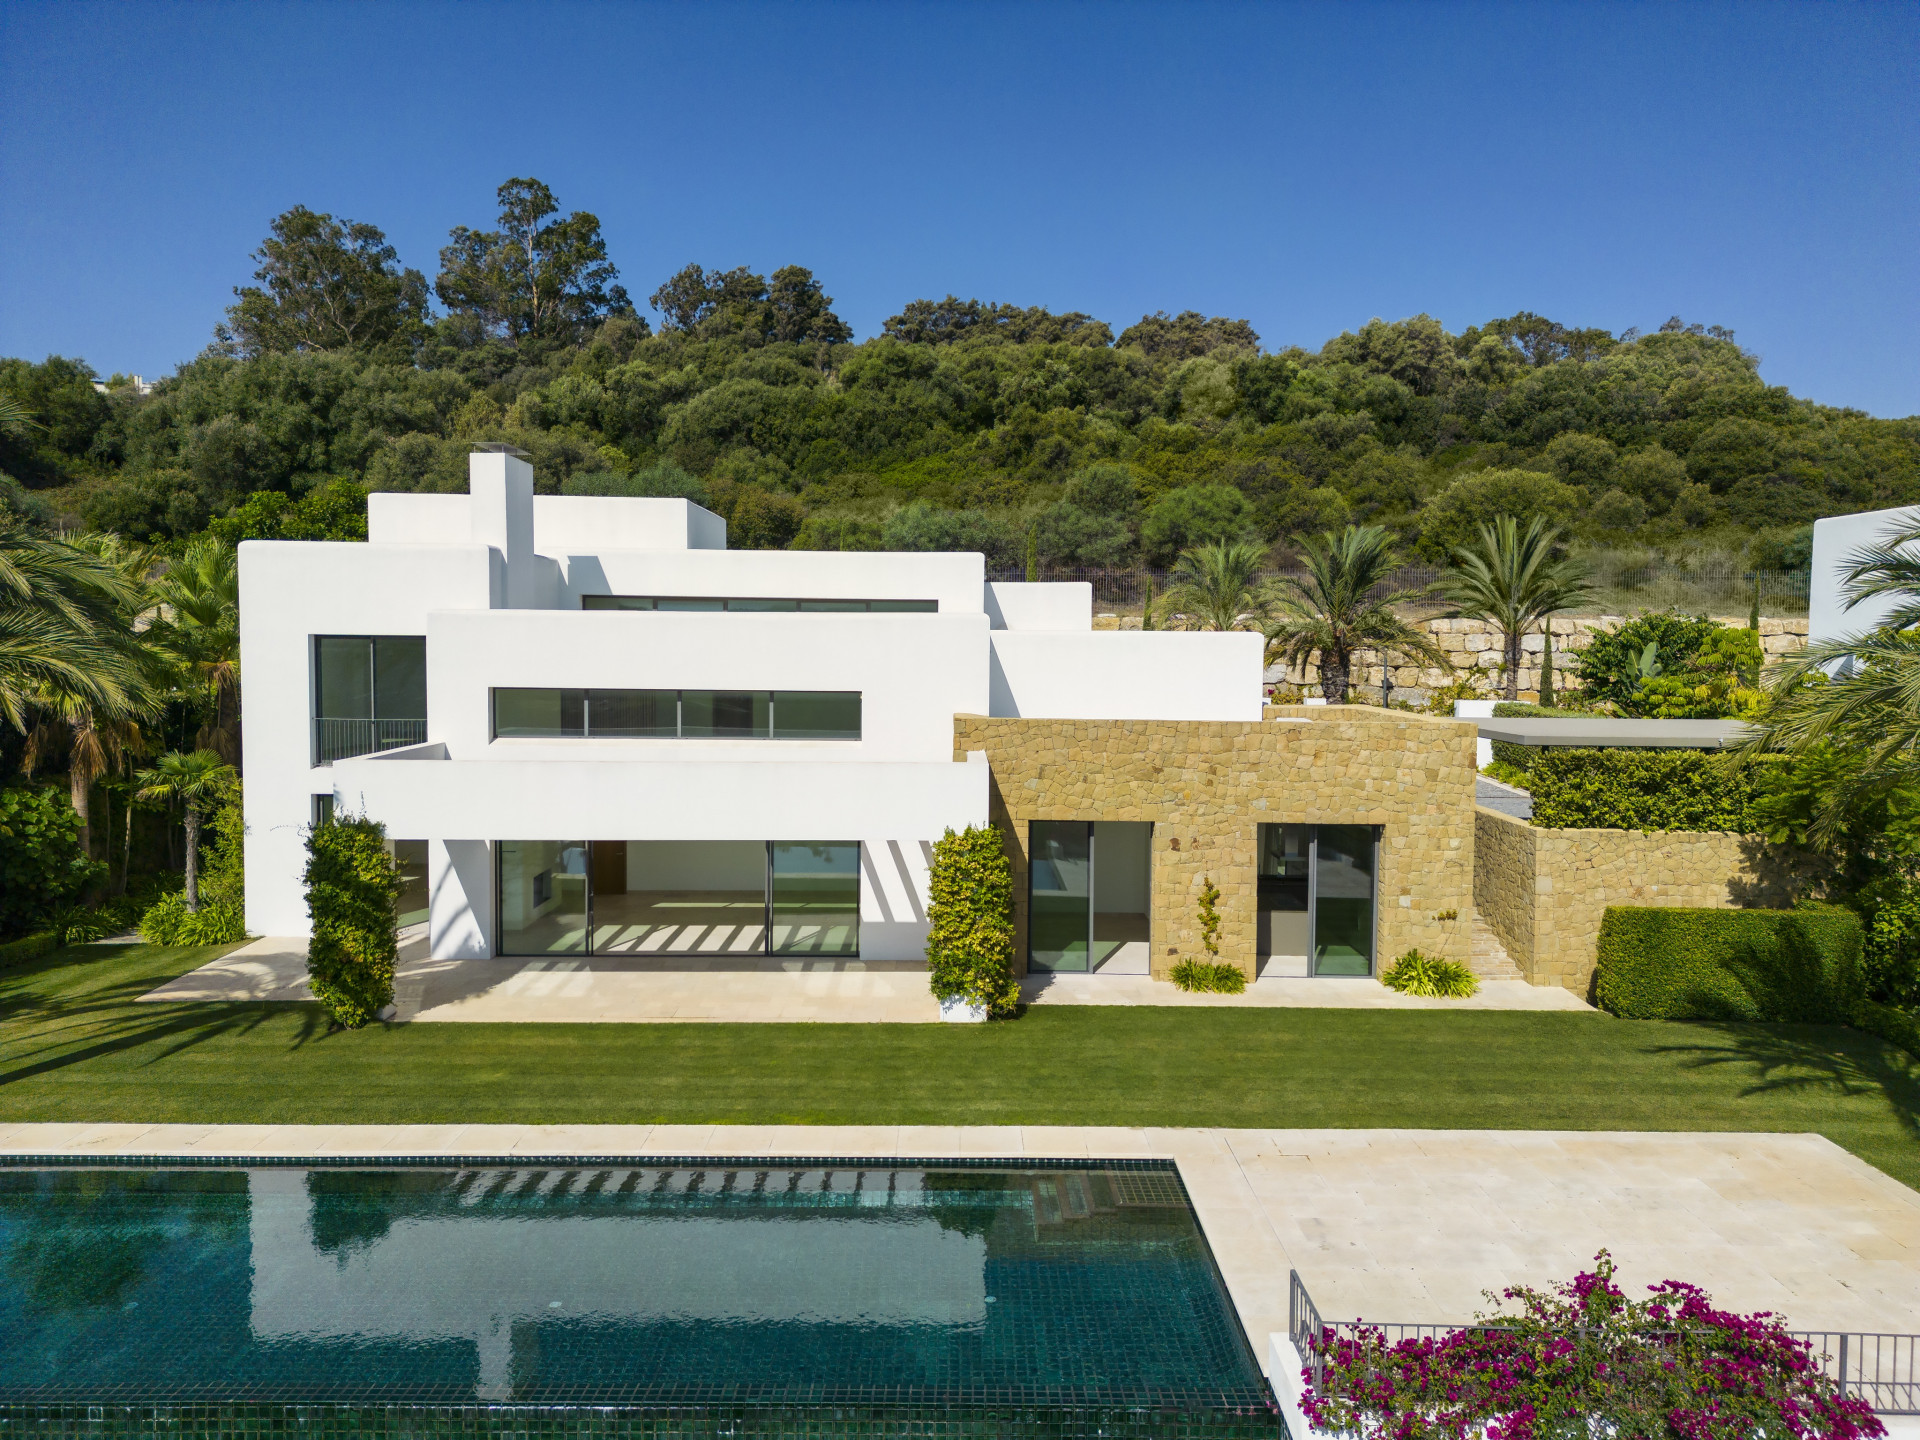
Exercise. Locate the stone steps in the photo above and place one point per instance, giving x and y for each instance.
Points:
(1490, 960)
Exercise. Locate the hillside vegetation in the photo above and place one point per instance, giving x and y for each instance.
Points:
(1028, 434)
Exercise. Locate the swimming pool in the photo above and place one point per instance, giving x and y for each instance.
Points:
(762, 1294)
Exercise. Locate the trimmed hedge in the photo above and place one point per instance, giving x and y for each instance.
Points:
(1634, 789)
(353, 890)
(1780, 965)
(27, 949)
(970, 921)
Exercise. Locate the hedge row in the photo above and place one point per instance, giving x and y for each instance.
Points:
(1632, 789)
(27, 949)
(1780, 965)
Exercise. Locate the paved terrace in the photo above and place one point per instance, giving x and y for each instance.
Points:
(1386, 1225)
(612, 988)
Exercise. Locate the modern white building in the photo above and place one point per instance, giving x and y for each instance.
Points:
(1836, 541)
(593, 729)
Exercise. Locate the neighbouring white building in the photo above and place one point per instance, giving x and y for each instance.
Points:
(1836, 541)
(593, 729)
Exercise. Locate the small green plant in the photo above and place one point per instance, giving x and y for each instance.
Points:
(353, 889)
(1209, 977)
(970, 915)
(1417, 974)
(1448, 914)
(1210, 917)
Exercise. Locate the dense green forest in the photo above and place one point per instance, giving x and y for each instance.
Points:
(1029, 434)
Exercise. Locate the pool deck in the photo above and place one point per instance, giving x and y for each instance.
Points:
(1389, 1225)
(622, 989)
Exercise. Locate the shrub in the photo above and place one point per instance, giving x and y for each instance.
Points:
(1610, 665)
(41, 867)
(168, 922)
(1209, 915)
(970, 920)
(1214, 977)
(1581, 1359)
(1893, 948)
(1782, 965)
(353, 888)
(27, 949)
(222, 917)
(1635, 789)
(1417, 974)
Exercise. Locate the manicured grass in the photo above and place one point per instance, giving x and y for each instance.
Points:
(75, 1046)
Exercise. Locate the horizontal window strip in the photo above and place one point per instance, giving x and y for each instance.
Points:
(527, 714)
(758, 604)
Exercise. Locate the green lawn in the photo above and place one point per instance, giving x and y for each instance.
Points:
(74, 1046)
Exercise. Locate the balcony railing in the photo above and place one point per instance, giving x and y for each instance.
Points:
(1882, 1369)
(341, 739)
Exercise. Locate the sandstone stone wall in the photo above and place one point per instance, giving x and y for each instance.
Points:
(1475, 645)
(1208, 785)
(1543, 891)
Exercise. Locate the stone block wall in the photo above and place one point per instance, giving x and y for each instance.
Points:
(1208, 785)
(1475, 645)
(1543, 892)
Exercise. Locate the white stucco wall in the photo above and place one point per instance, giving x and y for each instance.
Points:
(289, 592)
(493, 581)
(1048, 605)
(1126, 675)
(1835, 542)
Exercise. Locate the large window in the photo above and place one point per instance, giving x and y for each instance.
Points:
(1089, 884)
(369, 694)
(679, 897)
(676, 714)
(760, 605)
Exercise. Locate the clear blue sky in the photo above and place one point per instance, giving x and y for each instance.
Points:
(1304, 166)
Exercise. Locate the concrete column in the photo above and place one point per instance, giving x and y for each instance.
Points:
(460, 904)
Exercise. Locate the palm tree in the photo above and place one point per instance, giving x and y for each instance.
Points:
(197, 779)
(198, 632)
(1861, 695)
(1218, 585)
(1515, 581)
(1331, 612)
(64, 627)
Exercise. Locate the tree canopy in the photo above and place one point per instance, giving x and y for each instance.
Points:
(1032, 425)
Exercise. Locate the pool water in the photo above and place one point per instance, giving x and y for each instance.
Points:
(651, 1286)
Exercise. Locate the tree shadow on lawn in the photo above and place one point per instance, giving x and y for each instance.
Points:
(1810, 1059)
(43, 1031)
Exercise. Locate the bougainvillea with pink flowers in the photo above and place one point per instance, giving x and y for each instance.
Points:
(1582, 1360)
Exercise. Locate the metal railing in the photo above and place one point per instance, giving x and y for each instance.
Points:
(337, 739)
(1881, 1369)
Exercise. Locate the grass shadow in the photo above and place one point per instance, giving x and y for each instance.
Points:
(1808, 1059)
(88, 1014)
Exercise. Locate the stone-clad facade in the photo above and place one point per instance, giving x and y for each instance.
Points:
(1543, 892)
(1208, 785)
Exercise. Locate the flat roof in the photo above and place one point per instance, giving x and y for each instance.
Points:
(1610, 732)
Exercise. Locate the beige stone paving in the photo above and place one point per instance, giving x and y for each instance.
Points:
(1291, 992)
(607, 989)
(1403, 1225)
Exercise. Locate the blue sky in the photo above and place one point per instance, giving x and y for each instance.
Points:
(1304, 166)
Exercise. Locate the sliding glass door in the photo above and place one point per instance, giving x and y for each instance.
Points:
(1060, 895)
(1317, 898)
(717, 898)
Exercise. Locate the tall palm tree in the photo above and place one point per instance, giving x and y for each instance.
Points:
(63, 627)
(1515, 581)
(198, 632)
(197, 779)
(1217, 586)
(1331, 612)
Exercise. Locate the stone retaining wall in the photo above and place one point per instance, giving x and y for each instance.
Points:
(1208, 785)
(1543, 892)
(1475, 645)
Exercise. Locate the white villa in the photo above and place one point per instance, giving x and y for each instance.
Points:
(593, 729)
